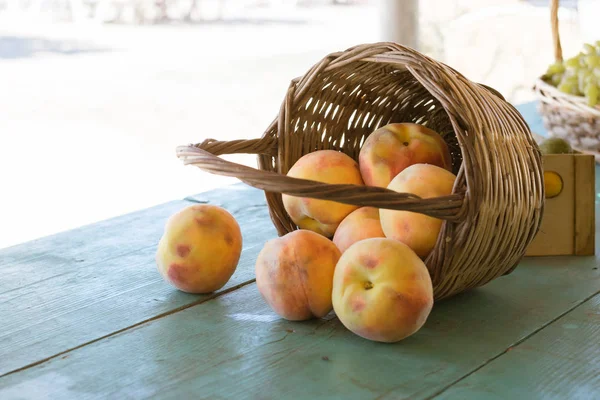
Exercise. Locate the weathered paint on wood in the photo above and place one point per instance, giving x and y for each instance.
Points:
(235, 347)
(78, 286)
(29, 264)
(560, 362)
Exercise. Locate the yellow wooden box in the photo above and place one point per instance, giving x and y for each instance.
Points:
(568, 224)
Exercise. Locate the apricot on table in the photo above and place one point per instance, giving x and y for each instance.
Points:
(199, 249)
(294, 274)
(382, 290)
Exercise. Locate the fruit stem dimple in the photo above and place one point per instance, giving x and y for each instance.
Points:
(368, 285)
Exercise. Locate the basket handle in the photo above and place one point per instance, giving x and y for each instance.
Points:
(205, 156)
(558, 56)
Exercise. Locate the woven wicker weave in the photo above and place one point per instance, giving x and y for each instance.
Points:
(497, 203)
(565, 115)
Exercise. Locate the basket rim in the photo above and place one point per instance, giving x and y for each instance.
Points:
(550, 94)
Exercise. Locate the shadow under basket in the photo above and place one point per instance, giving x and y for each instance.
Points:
(497, 202)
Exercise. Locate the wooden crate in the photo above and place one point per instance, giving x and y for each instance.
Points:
(568, 225)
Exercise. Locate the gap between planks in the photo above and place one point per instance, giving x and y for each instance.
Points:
(518, 342)
(128, 328)
(194, 199)
(251, 281)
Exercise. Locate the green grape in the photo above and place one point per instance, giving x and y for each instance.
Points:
(591, 94)
(556, 68)
(578, 75)
(569, 84)
(572, 62)
(592, 60)
(567, 87)
(581, 58)
(571, 79)
(582, 75)
(555, 79)
(571, 72)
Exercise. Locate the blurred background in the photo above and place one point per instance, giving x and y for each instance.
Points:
(96, 94)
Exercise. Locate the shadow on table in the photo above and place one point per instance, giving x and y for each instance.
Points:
(12, 47)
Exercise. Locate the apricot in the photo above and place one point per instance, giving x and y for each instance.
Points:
(418, 231)
(362, 223)
(393, 147)
(199, 249)
(382, 290)
(294, 274)
(329, 166)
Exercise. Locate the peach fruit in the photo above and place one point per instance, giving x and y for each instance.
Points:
(294, 274)
(418, 231)
(393, 147)
(329, 166)
(199, 249)
(360, 224)
(382, 290)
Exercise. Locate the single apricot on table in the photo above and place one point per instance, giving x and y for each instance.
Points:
(382, 290)
(294, 274)
(200, 248)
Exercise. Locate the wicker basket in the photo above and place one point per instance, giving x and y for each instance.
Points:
(497, 202)
(565, 115)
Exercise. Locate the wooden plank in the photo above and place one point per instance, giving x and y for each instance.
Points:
(235, 347)
(64, 291)
(585, 219)
(560, 362)
(41, 259)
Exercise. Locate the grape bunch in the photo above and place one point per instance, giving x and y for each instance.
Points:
(578, 75)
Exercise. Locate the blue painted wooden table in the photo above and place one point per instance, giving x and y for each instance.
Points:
(85, 315)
